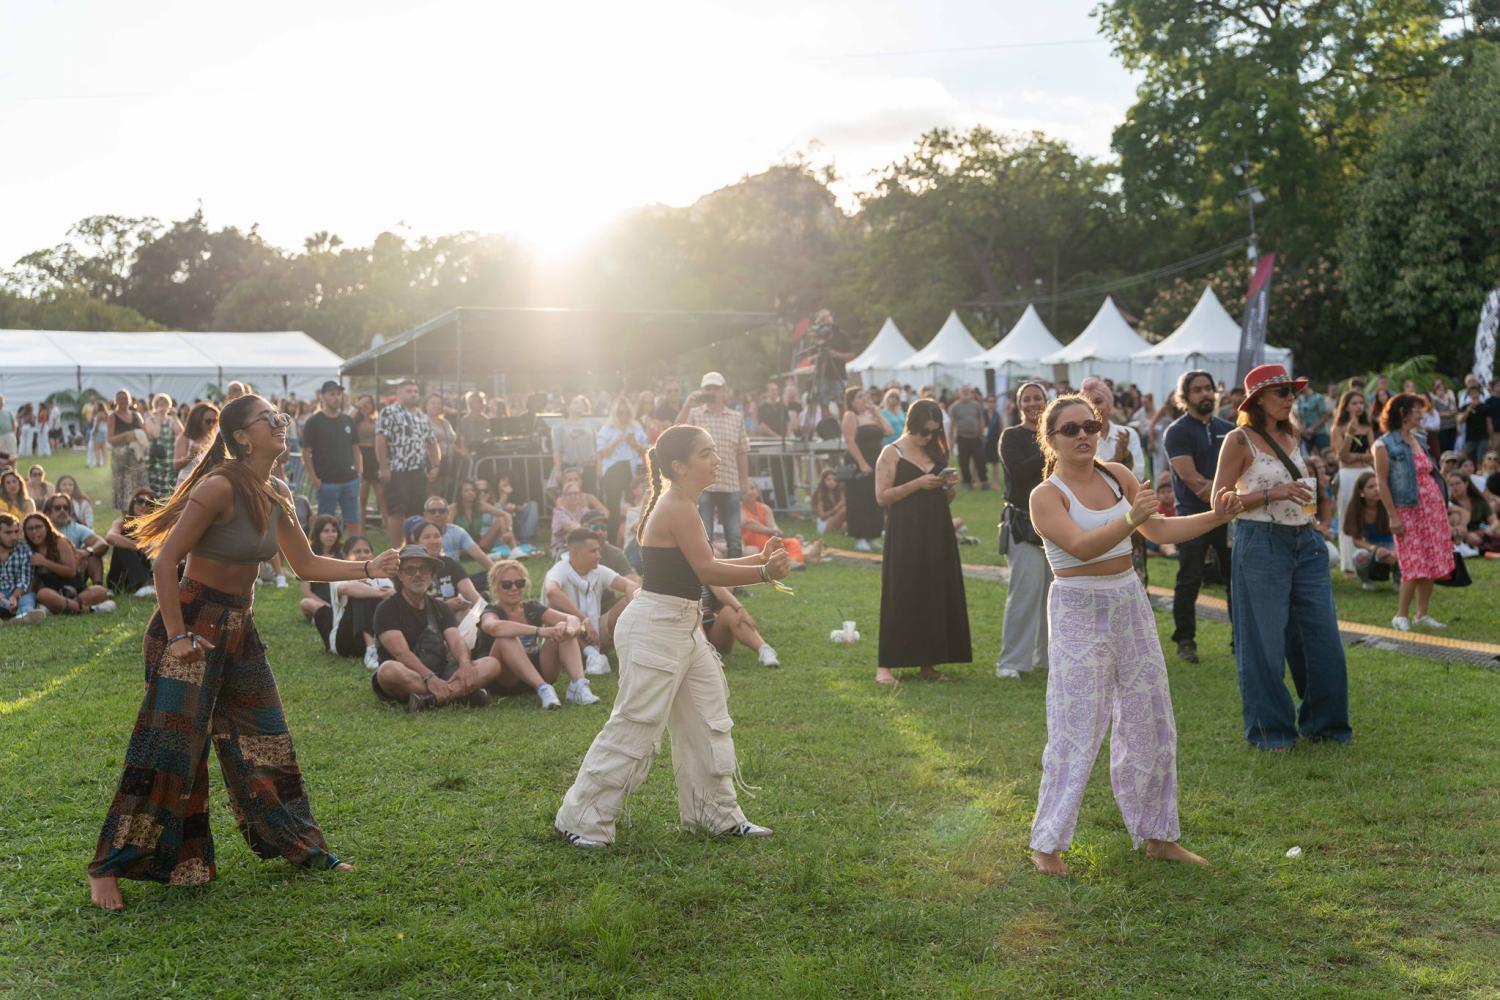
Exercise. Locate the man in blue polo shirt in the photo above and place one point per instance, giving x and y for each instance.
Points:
(1193, 441)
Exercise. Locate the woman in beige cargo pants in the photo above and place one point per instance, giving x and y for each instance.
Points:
(670, 676)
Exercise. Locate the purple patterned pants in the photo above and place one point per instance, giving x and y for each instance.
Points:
(1106, 666)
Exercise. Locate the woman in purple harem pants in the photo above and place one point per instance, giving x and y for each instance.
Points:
(1105, 657)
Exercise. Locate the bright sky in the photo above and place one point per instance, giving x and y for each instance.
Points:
(542, 121)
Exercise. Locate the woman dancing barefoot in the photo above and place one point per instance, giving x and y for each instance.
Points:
(1105, 656)
(207, 676)
(670, 676)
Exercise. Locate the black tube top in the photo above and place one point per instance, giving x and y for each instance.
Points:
(666, 571)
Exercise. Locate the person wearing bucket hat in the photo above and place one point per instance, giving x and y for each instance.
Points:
(1283, 595)
(424, 660)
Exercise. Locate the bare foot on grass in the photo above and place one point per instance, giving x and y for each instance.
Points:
(932, 674)
(884, 676)
(343, 866)
(1049, 864)
(1167, 850)
(104, 892)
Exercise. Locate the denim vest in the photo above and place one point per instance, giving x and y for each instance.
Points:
(1402, 471)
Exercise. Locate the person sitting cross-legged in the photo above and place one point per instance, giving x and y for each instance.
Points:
(347, 622)
(89, 547)
(533, 643)
(576, 585)
(56, 577)
(725, 620)
(17, 602)
(129, 567)
(423, 659)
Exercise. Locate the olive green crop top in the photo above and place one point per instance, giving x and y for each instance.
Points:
(236, 540)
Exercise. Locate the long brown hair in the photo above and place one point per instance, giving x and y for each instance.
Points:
(674, 445)
(917, 415)
(1353, 520)
(1341, 409)
(224, 457)
(50, 547)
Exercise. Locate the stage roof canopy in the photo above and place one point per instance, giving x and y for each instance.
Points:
(469, 343)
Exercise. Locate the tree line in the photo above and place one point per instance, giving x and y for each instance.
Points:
(1369, 127)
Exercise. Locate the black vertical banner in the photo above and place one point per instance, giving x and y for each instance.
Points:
(1253, 323)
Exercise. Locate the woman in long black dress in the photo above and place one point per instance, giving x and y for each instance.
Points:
(864, 428)
(924, 616)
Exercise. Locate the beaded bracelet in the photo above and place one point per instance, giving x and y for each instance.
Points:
(179, 635)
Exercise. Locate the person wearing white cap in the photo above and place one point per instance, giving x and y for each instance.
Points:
(706, 409)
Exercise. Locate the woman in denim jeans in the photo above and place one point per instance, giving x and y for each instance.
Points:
(1280, 563)
(1416, 501)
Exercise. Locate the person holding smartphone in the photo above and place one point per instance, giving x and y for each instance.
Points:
(924, 615)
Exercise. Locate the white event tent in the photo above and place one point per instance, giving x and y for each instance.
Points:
(1104, 348)
(876, 364)
(947, 360)
(1208, 339)
(37, 363)
(1020, 351)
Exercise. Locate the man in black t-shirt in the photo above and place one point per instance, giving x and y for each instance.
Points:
(331, 458)
(1193, 442)
(423, 659)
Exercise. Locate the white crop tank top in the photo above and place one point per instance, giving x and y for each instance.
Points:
(1088, 519)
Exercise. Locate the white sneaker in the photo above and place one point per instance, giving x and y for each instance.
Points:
(33, 617)
(1007, 675)
(577, 840)
(579, 692)
(280, 581)
(103, 607)
(1427, 621)
(146, 591)
(372, 657)
(1368, 585)
(747, 829)
(862, 545)
(596, 664)
(1401, 624)
(547, 694)
(768, 657)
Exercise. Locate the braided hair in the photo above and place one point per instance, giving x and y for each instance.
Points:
(674, 445)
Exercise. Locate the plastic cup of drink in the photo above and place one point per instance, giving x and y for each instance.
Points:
(1311, 483)
(849, 628)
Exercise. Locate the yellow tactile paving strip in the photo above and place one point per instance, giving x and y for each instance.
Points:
(1356, 628)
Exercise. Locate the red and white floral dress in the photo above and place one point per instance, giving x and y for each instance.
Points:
(1425, 551)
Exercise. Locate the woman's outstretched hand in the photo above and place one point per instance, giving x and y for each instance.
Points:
(1145, 504)
(386, 564)
(778, 563)
(1227, 504)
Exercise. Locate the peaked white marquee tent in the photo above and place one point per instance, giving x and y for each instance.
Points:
(36, 363)
(1208, 339)
(948, 359)
(876, 364)
(1104, 348)
(1020, 351)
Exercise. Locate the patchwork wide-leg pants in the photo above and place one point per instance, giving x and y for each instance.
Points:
(1106, 668)
(670, 678)
(157, 827)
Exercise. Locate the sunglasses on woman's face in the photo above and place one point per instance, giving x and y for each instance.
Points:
(928, 432)
(273, 419)
(1282, 391)
(140, 500)
(1072, 428)
(512, 584)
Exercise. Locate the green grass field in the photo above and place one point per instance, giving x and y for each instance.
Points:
(899, 866)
